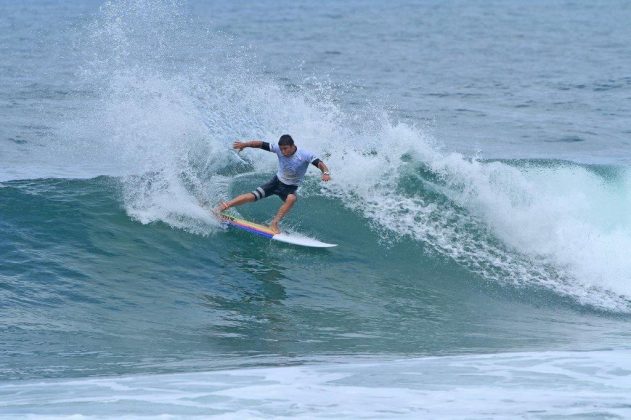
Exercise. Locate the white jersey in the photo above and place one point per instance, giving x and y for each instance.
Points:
(292, 169)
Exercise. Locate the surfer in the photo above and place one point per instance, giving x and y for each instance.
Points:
(292, 166)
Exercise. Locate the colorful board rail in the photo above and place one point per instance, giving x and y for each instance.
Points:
(266, 232)
(249, 226)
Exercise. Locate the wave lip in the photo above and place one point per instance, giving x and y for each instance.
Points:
(540, 224)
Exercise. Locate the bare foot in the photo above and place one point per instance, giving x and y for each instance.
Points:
(274, 227)
(223, 206)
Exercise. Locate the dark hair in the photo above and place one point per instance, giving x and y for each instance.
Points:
(285, 140)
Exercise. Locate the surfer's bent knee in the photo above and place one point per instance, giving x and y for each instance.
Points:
(258, 193)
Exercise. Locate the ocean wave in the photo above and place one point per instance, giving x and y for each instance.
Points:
(163, 120)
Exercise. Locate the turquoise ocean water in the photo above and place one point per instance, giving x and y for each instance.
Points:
(481, 200)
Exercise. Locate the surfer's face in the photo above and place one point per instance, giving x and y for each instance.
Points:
(287, 150)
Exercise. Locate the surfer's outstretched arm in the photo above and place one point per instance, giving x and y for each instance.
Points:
(256, 144)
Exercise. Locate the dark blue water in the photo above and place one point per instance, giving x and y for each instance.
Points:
(480, 199)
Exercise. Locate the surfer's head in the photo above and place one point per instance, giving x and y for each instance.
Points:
(286, 145)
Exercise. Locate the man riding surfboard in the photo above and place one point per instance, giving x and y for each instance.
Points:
(292, 166)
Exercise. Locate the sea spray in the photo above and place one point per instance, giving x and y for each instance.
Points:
(172, 121)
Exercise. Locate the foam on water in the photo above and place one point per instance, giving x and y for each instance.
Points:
(509, 385)
(561, 226)
(157, 103)
(167, 116)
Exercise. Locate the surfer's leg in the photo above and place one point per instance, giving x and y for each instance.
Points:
(237, 201)
(259, 193)
(282, 211)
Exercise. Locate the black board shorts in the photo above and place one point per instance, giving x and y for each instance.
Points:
(274, 187)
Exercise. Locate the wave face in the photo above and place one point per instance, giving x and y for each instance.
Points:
(80, 269)
(168, 115)
(109, 252)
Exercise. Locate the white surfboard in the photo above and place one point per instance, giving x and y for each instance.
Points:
(290, 238)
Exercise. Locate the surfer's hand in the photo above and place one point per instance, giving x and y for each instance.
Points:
(326, 177)
(239, 145)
